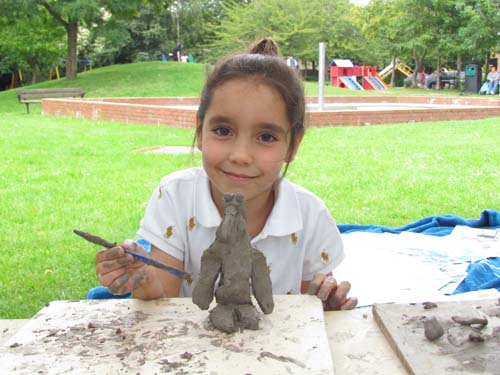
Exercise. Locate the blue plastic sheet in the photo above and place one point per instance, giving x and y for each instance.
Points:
(482, 274)
(432, 225)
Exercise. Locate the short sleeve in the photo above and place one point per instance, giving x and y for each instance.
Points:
(162, 224)
(324, 249)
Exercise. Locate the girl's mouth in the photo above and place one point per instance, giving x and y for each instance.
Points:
(237, 176)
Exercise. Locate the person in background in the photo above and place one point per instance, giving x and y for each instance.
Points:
(292, 62)
(177, 53)
(421, 79)
(492, 81)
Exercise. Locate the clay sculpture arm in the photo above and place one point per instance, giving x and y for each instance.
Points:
(203, 292)
(261, 282)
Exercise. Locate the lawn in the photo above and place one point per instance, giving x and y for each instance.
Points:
(61, 174)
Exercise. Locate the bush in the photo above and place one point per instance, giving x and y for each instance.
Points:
(142, 56)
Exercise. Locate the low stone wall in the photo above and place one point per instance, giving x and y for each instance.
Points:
(181, 111)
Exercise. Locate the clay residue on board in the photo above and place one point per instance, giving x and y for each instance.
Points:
(167, 335)
(241, 268)
(281, 358)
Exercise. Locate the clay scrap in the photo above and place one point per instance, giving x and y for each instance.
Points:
(241, 269)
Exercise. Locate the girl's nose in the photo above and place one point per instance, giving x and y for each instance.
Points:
(241, 152)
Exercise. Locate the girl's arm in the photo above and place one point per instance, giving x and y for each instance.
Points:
(157, 283)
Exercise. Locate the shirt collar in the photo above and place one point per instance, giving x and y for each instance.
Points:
(205, 211)
(285, 217)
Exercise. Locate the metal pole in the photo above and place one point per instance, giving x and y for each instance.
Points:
(321, 76)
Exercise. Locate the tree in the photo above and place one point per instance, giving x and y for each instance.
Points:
(155, 29)
(296, 25)
(479, 31)
(30, 44)
(73, 13)
(384, 27)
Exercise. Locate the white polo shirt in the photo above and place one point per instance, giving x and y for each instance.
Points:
(299, 239)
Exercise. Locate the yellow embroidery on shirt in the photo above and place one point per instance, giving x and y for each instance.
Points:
(191, 223)
(294, 239)
(269, 268)
(325, 256)
(169, 232)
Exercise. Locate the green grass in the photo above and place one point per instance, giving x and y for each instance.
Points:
(59, 174)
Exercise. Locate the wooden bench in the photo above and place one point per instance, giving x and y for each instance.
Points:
(30, 96)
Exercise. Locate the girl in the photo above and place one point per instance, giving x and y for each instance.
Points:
(250, 123)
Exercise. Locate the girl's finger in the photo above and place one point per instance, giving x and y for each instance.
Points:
(350, 304)
(339, 296)
(315, 284)
(105, 267)
(120, 284)
(108, 254)
(328, 286)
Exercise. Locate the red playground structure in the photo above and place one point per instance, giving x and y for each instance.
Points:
(344, 74)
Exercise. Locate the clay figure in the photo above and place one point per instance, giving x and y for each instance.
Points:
(233, 258)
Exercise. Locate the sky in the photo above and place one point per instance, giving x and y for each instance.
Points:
(359, 2)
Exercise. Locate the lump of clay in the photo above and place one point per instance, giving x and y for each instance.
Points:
(433, 329)
(233, 258)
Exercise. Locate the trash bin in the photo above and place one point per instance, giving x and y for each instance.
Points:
(472, 78)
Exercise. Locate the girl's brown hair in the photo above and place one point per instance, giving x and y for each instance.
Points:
(263, 63)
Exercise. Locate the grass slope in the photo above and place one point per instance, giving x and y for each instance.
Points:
(139, 79)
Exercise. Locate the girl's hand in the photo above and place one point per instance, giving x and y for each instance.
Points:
(119, 271)
(333, 295)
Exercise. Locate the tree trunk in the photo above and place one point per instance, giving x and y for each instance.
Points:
(71, 60)
(459, 72)
(418, 66)
(393, 76)
(438, 70)
(34, 73)
(486, 65)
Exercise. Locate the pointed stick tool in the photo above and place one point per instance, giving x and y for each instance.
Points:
(102, 242)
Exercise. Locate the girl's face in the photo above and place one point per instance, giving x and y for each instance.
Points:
(244, 140)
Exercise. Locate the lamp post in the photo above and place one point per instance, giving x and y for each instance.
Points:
(321, 76)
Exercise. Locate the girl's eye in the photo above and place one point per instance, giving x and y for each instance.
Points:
(222, 132)
(267, 138)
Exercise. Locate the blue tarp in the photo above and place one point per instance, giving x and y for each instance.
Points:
(432, 225)
(482, 274)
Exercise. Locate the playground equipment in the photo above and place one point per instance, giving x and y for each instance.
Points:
(344, 74)
(16, 79)
(401, 67)
(52, 71)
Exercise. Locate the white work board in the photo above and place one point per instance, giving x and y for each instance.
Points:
(167, 336)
